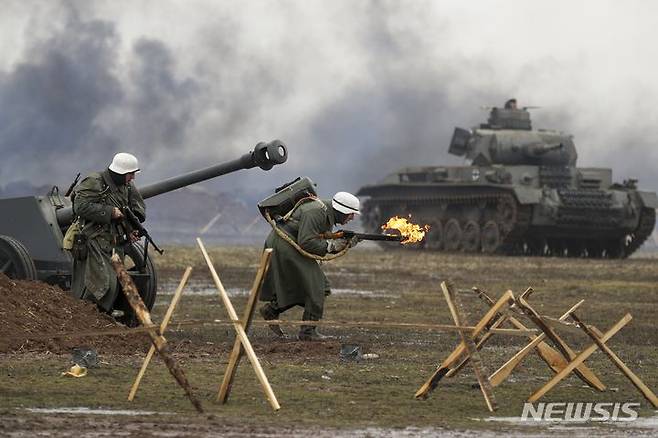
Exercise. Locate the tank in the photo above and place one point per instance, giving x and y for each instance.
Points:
(521, 194)
(32, 227)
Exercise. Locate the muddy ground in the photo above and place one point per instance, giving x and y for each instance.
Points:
(320, 394)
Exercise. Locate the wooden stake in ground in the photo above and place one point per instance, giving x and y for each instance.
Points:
(238, 350)
(579, 359)
(163, 327)
(241, 334)
(476, 362)
(160, 343)
(597, 337)
(449, 362)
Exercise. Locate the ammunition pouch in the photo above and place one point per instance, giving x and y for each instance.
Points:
(69, 236)
(80, 246)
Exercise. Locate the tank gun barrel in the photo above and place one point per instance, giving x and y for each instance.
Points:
(541, 149)
(264, 155)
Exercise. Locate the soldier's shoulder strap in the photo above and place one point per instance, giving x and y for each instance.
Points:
(302, 201)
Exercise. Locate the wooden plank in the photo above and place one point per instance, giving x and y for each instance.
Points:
(553, 358)
(445, 366)
(238, 350)
(582, 370)
(597, 337)
(476, 362)
(132, 295)
(242, 335)
(485, 337)
(163, 328)
(578, 360)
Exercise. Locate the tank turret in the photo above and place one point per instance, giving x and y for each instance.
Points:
(32, 227)
(521, 194)
(508, 139)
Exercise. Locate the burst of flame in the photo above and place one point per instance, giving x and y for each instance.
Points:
(411, 232)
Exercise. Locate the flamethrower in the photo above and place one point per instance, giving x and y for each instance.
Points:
(347, 234)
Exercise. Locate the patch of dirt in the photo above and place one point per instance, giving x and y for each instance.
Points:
(296, 349)
(31, 312)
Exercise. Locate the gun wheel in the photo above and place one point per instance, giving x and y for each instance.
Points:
(15, 261)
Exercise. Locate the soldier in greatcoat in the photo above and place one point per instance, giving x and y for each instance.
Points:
(97, 205)
(294, 279)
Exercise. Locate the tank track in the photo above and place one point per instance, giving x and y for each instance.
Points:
(644, 229)
(514, 239)
(511, 232)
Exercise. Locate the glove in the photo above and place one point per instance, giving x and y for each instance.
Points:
(336, 245)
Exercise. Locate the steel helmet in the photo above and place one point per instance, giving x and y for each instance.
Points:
(346, 203)
(123, 163)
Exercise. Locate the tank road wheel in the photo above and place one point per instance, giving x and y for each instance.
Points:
(471, 237)
(506, 214)
(435, 237)
(490, 237)
(452, 235)
(146, 282)
(15, 261)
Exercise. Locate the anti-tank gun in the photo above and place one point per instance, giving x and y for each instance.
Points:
(32, 227)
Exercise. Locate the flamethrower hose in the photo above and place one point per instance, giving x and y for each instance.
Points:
(282, 234)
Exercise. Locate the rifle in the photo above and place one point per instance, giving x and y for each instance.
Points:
(132, 223)
(347, 234)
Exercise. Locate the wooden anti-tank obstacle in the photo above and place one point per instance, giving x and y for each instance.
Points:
(562, 360)
(159, 342)
(163, 328)
(241, 328)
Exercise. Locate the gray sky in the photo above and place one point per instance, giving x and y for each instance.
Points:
(355, 88)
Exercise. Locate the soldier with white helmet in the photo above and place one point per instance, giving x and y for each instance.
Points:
(97, 230)
(296, 280)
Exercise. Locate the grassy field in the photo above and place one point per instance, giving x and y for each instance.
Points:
(322, 395)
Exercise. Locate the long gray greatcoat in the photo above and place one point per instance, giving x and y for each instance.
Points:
(95, 197)
(293, 278)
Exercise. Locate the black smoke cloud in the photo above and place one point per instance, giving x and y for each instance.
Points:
(66, 109)
(85, 90)
(49, 103)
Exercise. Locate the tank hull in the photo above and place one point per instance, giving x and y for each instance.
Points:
(516, 210)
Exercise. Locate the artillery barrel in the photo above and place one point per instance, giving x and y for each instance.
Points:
(264, 155)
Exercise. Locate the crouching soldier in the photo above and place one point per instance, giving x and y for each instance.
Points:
(294, 279)
(97, 206)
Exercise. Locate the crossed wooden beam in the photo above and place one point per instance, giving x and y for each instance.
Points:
(562, 359)
(242, 344)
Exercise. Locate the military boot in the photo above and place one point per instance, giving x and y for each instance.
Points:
(269, 312)
(311, 333)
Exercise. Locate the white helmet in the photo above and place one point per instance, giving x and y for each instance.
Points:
(346, 203)
(123, 163)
